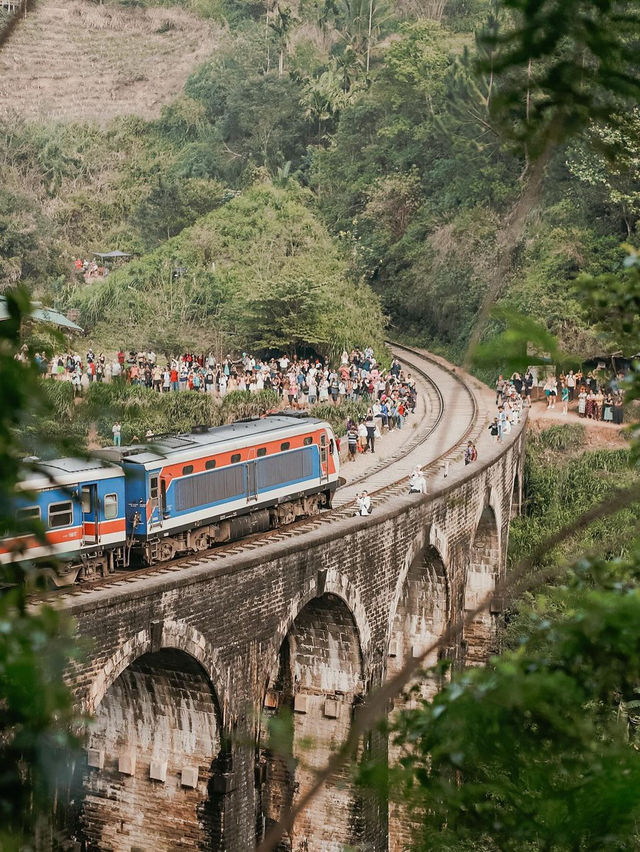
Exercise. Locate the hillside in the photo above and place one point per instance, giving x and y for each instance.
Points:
(374, 111)
(78, 61)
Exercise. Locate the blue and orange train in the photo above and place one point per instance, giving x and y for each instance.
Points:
(179, 494)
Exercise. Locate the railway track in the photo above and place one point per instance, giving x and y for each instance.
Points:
(428, 446)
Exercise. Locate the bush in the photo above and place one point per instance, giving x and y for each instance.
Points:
(560, 438)
(337, 415)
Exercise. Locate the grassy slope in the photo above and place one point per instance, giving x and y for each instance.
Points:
(79, 61)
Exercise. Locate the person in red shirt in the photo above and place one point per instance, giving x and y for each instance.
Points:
(174, 378)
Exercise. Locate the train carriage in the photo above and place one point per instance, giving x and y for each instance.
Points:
(80, 505)
(181, 494)
(187, 492)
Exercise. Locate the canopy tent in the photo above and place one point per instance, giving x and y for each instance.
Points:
(110, 255)
(42, 314)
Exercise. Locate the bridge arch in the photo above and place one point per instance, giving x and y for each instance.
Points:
(328, 581)
(420, 614)
(483, 572)
(154, 752)
(319, 678)
(163, 634)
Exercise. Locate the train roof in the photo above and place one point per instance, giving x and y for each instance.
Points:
(67, 471)
(190, 445)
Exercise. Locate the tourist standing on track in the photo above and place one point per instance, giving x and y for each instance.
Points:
(352, 442)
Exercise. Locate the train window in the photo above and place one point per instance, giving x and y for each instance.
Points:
(308, 440)
(262, 451)
(61, 514)
(323, 439)
(153, 487)
(285, 445)
(235, 458)
(28, 513)
(209, 464)
(110, 506)
(187, 469)
(86, 500)
(331, 450)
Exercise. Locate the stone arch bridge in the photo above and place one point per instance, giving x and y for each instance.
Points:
(186, 665)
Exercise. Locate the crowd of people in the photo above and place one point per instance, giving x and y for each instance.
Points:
(597, 399)
(299, 382)
(512, 395)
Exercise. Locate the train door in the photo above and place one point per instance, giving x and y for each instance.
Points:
(324, 462)
(90, 523)
(156, 513)
(252, 481)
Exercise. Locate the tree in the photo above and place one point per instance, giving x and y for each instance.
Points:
(36, 710)
(610, 160)
(281, 24)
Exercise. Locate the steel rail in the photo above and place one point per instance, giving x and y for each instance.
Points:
(305, 525)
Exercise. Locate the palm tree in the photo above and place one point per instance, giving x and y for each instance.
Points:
(281, 26)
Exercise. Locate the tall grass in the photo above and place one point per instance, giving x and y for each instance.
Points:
(561, 482)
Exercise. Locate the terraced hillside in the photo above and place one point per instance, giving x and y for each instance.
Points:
(77, 60)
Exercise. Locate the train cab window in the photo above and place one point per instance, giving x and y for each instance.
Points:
(110, 506)
(28, 514)
(308, 440)
(323, 439)
(209, 464)
(262, 451)
(235, 458)
(331, 446)
(285, 446)
(153, 487)
(61, 514)
(187, 469)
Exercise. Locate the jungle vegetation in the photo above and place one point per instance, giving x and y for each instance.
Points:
(363, 146)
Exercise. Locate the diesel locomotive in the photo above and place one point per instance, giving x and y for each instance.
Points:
(179, 494)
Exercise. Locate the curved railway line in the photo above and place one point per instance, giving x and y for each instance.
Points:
(452, 417)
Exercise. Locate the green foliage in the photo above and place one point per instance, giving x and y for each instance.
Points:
(576, 60)
(337, 415)
(140, 409)
(562, 481)
(558, 438)
(262, 265)
(36, 710)
(532, 752)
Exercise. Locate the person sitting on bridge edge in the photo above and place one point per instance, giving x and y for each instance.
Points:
(364, 503)
(417, 481)
(470, 453)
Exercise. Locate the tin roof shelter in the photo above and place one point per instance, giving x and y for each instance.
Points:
(41, 314)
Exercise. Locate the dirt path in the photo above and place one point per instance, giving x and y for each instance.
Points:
(597, 432)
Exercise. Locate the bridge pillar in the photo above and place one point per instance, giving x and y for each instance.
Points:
(154, 752)
(310, 702)
(485, 567)
(421, 616)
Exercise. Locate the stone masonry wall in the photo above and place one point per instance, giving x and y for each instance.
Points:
(152, 745)
(232, 616)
